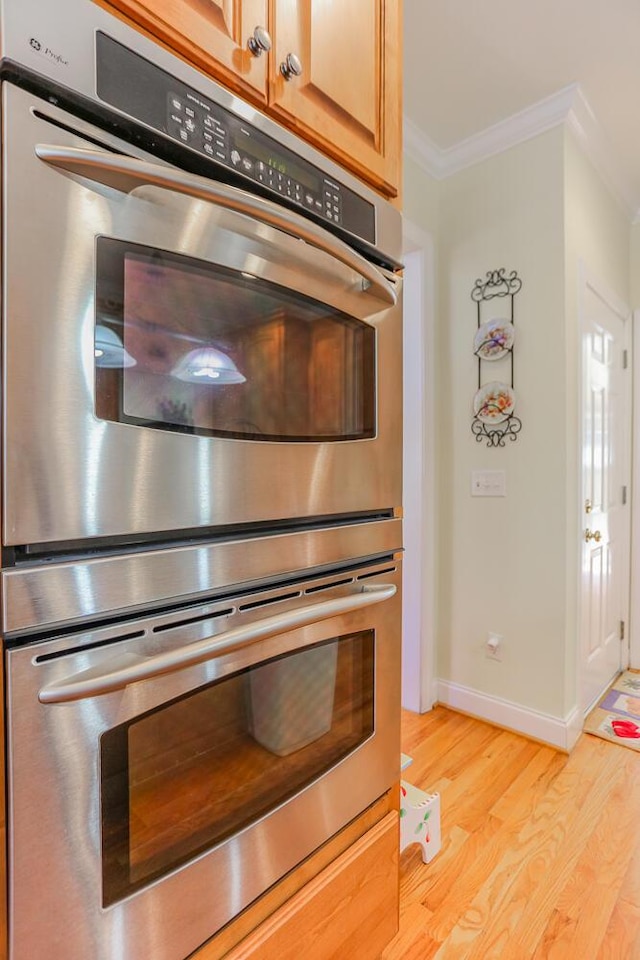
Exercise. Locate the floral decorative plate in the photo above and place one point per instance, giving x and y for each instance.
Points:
(494, 402)
(493, 339)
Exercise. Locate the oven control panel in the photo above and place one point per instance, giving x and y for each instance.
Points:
(148, 94)
(219, 135)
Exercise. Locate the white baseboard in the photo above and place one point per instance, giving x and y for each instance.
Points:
(560, 733)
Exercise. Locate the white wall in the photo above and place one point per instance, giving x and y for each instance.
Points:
(510, 565)
(502, 560)
(421, 197)
(635, 558)
(418, 620)
(634, 282)
(418, 627)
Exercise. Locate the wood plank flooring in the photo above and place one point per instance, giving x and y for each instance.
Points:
(540, 855)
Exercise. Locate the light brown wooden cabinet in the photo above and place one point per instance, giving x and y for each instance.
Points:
(341, 902)
(347, 100)
(211, 34)
(349, 910)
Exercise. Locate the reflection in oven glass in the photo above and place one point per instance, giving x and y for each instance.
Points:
(221, 353)
(192, 773)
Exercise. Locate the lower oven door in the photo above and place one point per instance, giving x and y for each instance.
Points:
(164, 771)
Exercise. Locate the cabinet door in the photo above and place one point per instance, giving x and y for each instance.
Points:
(349, 910)
(347, 99)
(211, 34)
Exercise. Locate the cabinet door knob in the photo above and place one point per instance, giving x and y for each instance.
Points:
(259, 42)
(291, 66)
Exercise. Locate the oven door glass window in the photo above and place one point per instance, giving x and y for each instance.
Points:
(188, 346)
(181, 779)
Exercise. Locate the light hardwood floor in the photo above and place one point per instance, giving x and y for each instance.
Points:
(540, 855)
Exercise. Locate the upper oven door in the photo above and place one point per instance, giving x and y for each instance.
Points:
(179, 354)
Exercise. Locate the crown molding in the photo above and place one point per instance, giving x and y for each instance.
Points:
(584, 125)
(423, 151)
(568, 106)
(522, 126)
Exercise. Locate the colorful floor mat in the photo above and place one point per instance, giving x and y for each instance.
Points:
(616, 716)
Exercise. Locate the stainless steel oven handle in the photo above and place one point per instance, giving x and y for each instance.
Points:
(127, 173)
(88, 684)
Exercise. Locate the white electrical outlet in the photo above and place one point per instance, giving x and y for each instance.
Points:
(493, 646)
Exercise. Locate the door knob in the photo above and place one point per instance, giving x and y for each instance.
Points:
(259, 42)
(592, 535)
(291, 66)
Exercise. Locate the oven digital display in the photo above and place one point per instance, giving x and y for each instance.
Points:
(277, 162)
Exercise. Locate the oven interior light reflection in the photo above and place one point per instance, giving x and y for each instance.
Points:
(109, 350)
(207, 365)
(202, 365)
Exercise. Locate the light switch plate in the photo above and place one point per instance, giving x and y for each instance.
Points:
(488, 483)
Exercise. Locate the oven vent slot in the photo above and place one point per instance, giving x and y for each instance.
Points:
(328, 586)
(72, 130)
(376, 573)
(187, 620)
(89, 646)
(268, 600)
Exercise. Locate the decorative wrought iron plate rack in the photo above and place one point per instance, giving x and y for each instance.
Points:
(497, 284)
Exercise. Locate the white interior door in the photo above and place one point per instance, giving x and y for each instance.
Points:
(605, 517)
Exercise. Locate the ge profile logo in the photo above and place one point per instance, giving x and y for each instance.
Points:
(44, 51)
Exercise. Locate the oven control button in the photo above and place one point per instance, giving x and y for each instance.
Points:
(247, 164)
(176, 104)
(184, 135)
(235, 158)
(190, 125)
(208, 149)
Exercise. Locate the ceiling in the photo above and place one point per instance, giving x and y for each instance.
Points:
(477, 71)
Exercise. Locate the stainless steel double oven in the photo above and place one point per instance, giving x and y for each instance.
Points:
(200, 493)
